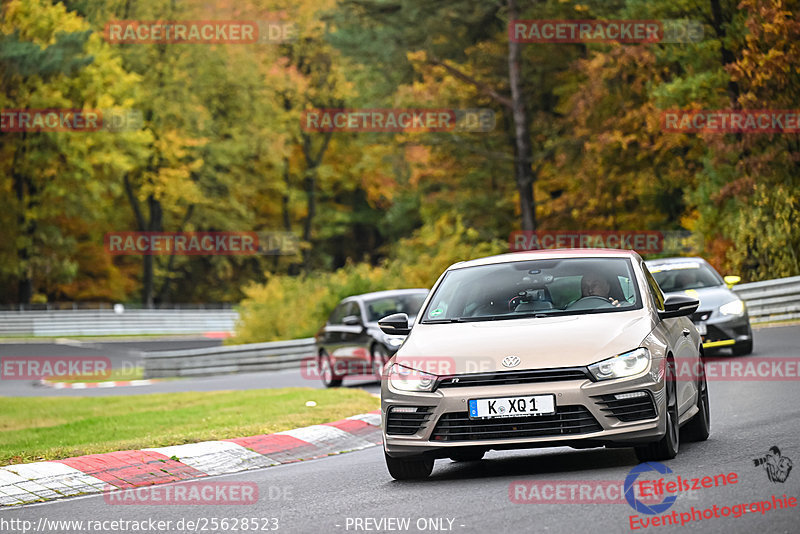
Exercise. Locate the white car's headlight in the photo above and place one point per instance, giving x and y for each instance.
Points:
(394, 341)
(627, 364)
(735, 307)
(408, 379)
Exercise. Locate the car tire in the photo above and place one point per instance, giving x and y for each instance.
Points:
(467, 455)
(329, 379)
(699, 427)
(667, 447)
(379, 358)
(743, 348)
(409, 468)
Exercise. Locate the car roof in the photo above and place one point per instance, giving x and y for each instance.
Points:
(386, 293)
(548, 254)
(664, 261)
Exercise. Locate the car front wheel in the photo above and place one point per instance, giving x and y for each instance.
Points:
(667, 447)
(743, 348)
(379, 358)
(699, 428)
(329, 378)
(409, 468)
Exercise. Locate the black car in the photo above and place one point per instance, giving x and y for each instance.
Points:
(352, 344)
(722, 317)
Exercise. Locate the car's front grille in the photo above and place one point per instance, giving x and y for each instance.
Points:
(567, 420)
(628, 408)
(502, 378)
(405, 421)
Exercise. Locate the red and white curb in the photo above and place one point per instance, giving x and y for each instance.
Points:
(96, 473)
(90, 385)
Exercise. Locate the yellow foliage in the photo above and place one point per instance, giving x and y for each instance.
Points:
(288, 307)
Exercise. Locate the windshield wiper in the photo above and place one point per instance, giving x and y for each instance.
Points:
(464, 319)
(537, 315)
(480, 318)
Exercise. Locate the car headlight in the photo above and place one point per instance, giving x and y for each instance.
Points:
(627, 364)
(408, 379)
(394, 341)
(735, 307)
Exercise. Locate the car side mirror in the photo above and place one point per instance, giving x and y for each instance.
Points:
(352, 320)
(731, 280)
(678, 306)
(395, 324)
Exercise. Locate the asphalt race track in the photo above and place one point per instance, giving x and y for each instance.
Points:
(354, 493)
(129, 354)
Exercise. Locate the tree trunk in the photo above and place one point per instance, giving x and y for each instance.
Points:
(310, 185)
(727, 55)
(523, 172)
(27, 227)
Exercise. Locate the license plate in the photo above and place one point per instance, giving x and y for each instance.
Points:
(701, 328)
(512, 406)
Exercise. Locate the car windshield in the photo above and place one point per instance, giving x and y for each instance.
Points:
(379, 308)
(534, 288)
(682, 276)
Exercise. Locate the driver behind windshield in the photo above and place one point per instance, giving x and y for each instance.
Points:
(685, 279)
(595, 285)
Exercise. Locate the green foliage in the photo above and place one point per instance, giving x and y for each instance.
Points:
(222, 147)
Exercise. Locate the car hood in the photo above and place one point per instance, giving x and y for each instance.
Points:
(710, 298)
(566, 341)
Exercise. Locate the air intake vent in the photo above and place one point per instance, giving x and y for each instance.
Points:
(633, 406)
(407, 420)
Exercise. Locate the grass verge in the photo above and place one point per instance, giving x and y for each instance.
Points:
(50, 428)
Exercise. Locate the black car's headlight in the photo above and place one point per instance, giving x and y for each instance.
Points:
(627, 364)
(408, 379)
(735, 307)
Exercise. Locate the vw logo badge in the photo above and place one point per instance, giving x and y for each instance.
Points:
(511, 361)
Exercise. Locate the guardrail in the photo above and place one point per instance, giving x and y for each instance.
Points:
(771, 300)
(271, 356)
(108, 322)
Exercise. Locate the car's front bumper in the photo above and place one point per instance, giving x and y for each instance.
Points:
(572, 396)
(724, 330)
